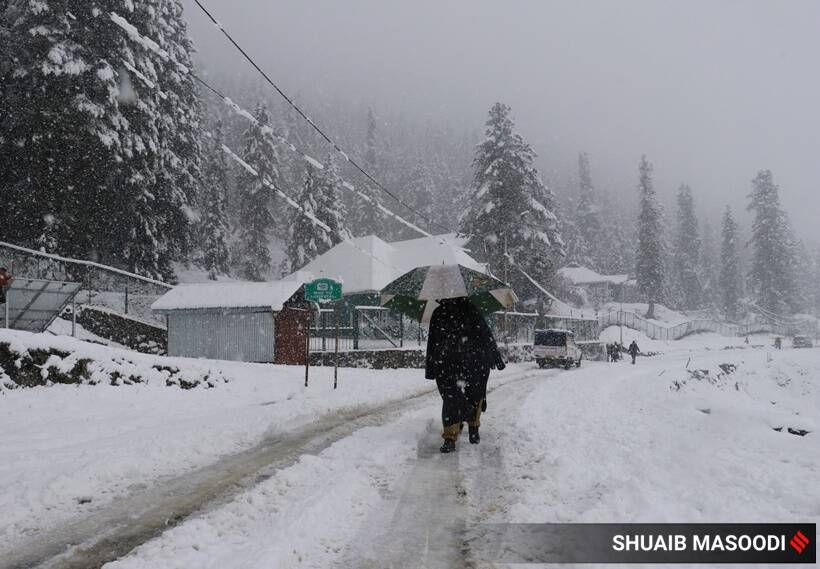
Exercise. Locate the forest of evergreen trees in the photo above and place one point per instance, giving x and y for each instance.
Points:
(112, 153)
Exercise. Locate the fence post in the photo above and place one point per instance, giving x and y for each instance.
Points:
(401, 330)
(355, 316)
(126, 299)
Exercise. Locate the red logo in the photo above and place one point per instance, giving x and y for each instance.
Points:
(799, 542)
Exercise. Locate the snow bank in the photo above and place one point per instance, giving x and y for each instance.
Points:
(35, 360)
(692, 342)
(656, 442)
(69, 449)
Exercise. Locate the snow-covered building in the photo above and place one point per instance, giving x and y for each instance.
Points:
(267, 322)
(366, 264)
(241, 321)
(598, 288)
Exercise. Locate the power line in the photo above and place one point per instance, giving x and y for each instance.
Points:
(315, 127)
(313, 161)
(149, 44)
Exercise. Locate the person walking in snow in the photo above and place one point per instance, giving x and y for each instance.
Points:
(5, 282)
(461, 351)
(633, 350)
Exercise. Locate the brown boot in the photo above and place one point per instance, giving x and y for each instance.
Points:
(448, 446)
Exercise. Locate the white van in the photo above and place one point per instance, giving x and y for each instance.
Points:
(556, 347)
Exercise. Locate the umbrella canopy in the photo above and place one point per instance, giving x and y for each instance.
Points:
(415, 293)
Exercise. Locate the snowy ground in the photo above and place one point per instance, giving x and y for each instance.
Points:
(68, 450)
(606, 442)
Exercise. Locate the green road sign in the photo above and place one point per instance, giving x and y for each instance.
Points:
(323, 290)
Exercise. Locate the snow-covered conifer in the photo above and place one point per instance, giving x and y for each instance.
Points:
(214, 230)
(510, 209)
(731, 281)
(252, 256)
(649, 262)
(686, 253)
(771, 277)
(588, 221)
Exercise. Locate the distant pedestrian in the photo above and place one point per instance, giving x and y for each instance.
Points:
(778, 343)
(6, 279)
(461, 350)
(633, 350)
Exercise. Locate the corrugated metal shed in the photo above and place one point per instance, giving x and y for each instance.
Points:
(226, 321)
(222, 335)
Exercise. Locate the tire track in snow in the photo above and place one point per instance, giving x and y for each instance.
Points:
(117, 529)
(429, 526)
(426, 528)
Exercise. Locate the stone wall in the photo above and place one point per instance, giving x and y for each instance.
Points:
(393, 359)
(135, 334)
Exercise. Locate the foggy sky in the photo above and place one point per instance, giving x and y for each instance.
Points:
(710, 90)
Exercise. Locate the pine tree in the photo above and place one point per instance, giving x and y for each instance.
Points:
(214, 230)
(687, 252)
(800, 271)
(89, 140)
(709, 262)
(588, 221)
(61, 127)
(422, 193)
(511, 210)
(180, 176)
(814, 288)
(617, 248)
(649, 264)
(252, 256)
(321, 196)
(731, 282)
(366, 218)
(771, 276)
(574, 244)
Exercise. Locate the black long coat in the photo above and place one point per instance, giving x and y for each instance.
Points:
(459, 335)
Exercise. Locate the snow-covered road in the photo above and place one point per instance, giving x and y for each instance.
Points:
(604, 443)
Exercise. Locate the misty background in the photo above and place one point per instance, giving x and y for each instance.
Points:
(710, 91)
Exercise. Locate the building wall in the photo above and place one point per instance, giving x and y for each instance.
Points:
(229, 335)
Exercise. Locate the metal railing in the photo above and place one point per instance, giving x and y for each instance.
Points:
(101, 285)
(378, 328)
(364, 328)
(657, 331)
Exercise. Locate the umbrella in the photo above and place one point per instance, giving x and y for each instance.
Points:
(415, 293)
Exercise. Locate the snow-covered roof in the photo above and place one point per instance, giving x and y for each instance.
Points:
(268, 295)
(368, 263)
(584, 275)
